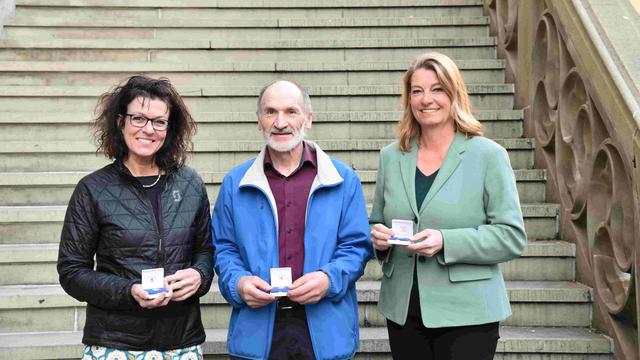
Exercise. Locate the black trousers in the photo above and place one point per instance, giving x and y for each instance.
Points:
(415, 341)
(291, 339)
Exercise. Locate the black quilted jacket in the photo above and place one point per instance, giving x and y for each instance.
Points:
(109, 215)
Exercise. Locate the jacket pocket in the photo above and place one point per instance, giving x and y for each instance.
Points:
(470, 272)
(387, 269)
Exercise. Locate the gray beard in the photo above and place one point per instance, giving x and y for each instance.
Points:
(295, 141)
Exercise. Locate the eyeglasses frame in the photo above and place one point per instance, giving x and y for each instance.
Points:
(146, 122)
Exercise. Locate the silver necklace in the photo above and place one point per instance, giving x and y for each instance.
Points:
(154, 183)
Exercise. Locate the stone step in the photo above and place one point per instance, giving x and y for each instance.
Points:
(236, 146)
(32, 264)
(235, 67)
(516, 343)
(230, 131)
(247, 29)
(541, 261)
(34, 116)
(92, 22)
(218, 156)
(235, 126)
(244, 34)
(369, 98)
(228, 126)
(42, 224)
(219, 98)
(55, 188)
(220, 74)
(215, 43)
(26, 308)
(534, 303)
(246, 4)
(180, 11)
(203, 51)
(479, 90)
(60, 159)
(390, 50)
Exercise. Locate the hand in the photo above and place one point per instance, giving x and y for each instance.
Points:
(184, 283)
(142, 297)
(427, 242)
(255, 291)
(379, 236)
(309, 288)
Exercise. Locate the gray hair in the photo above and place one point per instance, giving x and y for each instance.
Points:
(306, 100)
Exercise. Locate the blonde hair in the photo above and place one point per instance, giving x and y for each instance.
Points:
(451, 80)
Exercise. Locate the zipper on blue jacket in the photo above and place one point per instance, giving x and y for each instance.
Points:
(273, 213)
(312, 193)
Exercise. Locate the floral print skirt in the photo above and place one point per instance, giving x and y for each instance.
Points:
(104, 353)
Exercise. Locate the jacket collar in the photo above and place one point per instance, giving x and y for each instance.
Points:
(124, 171)
(409, 161)
(327, 173)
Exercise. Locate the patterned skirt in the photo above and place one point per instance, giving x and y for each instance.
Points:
(104, 353)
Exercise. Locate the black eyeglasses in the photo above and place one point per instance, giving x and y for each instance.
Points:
(141, 121)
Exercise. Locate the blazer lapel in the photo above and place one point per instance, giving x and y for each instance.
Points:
(451, 162)
(408, 163)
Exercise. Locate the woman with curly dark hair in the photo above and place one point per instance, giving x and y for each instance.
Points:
(145, 211)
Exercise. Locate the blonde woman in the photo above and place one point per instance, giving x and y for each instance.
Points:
(442, 293)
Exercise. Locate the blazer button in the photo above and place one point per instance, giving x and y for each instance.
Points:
(422, 258)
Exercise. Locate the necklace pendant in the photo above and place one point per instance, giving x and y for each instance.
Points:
(154, 183)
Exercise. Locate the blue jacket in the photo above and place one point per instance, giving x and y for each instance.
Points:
(336, 241)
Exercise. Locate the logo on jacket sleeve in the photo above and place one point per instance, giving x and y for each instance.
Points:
(176, 196)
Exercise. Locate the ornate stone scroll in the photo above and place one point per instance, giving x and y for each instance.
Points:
(504, 23)
(592, 173)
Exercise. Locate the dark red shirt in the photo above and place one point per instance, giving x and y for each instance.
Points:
(291, 194)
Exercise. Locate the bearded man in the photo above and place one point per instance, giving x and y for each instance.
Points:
(293, 212)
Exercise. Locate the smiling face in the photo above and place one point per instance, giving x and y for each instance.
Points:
(430, 104)
(144, 142)
(282, 118)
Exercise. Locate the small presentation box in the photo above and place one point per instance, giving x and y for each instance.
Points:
(153, 282)
(403, 230)
(280, 281)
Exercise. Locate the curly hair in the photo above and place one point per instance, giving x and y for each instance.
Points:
(112, 107)
(451, 80)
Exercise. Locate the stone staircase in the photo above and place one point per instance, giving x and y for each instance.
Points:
(58, 55)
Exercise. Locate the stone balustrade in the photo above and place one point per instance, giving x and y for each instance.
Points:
(574, 65)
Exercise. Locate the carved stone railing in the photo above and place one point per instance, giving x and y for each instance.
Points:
(7, 8)
(578, 85)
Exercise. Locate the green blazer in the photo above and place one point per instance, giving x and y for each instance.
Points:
(474, 203)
